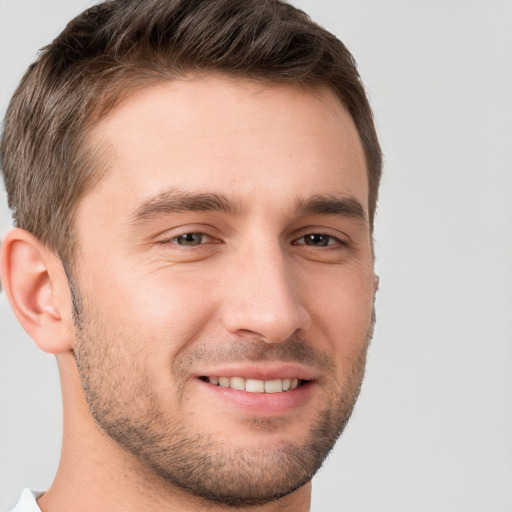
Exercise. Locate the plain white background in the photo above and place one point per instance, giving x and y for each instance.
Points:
(432, 431)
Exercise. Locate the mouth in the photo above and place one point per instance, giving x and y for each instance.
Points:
(255, 385)
(271, 391)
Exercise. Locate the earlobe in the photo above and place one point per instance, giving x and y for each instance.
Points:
(36, 286)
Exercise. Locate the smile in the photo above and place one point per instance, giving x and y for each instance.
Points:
(254, 385)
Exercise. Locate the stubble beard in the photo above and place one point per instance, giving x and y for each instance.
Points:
(195, 461)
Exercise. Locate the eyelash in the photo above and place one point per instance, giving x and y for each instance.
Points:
(330, 240)
(175, 239)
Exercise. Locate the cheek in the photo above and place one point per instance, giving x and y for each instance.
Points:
(342, 309)
(145, 322)
(163, 310)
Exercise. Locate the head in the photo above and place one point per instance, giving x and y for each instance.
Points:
(231, 146)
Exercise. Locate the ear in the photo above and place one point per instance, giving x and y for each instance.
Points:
(36, 285)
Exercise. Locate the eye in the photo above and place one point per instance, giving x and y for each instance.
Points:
(191, 239)
(318, 240)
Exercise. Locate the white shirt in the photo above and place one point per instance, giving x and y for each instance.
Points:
(27, 502)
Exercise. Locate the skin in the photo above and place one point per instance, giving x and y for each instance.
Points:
(276, 278)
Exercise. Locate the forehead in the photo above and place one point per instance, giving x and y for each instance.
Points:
(216, 134)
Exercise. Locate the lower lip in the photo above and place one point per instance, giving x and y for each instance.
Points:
(262, 404)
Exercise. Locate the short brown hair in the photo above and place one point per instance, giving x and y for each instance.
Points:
(122, 45)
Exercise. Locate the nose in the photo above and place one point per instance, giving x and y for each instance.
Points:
(263, 297)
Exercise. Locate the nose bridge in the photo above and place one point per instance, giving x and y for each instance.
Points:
(264, 299)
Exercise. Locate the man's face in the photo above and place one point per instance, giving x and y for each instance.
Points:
(224, 284)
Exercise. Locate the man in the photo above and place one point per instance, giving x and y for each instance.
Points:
(193, 185)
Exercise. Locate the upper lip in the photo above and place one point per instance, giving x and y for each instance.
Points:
(271, 371)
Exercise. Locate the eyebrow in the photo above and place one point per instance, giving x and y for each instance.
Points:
(348, 207)
(174, 201)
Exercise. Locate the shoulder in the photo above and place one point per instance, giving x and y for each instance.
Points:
(27, 501)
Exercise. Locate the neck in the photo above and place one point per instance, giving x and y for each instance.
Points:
(95, 473)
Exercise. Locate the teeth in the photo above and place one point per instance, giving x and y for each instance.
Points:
(254, 385)
(273, 386)
(237, 383)
(224, 382)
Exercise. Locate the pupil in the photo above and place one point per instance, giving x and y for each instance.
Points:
(190, 239)
(321, 240)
